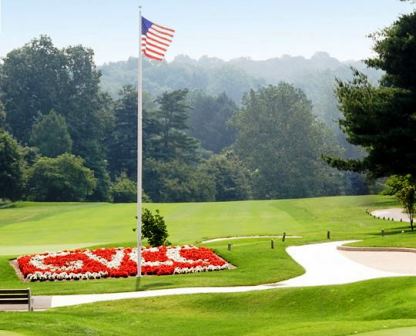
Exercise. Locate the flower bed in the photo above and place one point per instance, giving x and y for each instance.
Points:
(118, 262)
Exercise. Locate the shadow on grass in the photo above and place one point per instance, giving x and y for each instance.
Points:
(7, 205)
(141, 287)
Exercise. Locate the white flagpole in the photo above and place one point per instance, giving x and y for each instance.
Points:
(139, 151)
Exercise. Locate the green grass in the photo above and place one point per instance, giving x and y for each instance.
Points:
(38, 226)
(273, 265)
(330, 311)
(30, 227)
(410, 331)
(337, 310)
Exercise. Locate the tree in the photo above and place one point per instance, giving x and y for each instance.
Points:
(407, 197)
(2, 116)
(50, 134)
(210, 120)
(64, 178)
(231, 178)
(89, 115)
(154, 228)
(176, 181)
(123, 147)
(123, 190)
(382, 118)
(404, 188)
(11, 167)
(172, 116)
(38, 78)
(33, 82)
(281, 142)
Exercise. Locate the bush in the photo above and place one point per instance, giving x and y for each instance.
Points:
(64, 178)
(11, 167)
(124, 190)
(154, 228)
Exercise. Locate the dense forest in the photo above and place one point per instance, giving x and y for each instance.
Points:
(212, 130)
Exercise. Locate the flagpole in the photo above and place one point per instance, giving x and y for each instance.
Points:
(139, 151)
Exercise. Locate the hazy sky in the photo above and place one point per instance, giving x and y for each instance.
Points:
(259, 29)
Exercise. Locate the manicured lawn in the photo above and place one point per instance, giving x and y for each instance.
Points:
(257, 264)
(33, 227)
(53, 226)
(410, 331)
(336, 310)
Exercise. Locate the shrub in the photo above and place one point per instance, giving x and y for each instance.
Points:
(64, 178)
(124, 190)
(154, 228)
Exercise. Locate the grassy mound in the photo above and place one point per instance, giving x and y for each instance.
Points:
(333, 311)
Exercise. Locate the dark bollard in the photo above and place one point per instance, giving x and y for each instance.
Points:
(229, 246)
(401, 220)
(272, 244)
(284, 236)
(382, 233)
(328, 235)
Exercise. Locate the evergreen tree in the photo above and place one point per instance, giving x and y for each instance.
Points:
(50, 134)
(172, 116)
(123, 144)
(382, 118)
(123, 149)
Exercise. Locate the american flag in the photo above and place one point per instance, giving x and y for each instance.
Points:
(155, 39)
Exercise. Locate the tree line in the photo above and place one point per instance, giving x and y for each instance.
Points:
(63, 138)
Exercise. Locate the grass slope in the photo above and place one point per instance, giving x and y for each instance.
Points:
(58, 225)
(332, 311)
(40, 226)
(257, 264)
(338, 310)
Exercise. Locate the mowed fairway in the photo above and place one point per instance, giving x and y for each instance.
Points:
(35, 227)
(378, 305)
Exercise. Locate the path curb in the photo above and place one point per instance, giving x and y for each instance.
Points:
(376, 249)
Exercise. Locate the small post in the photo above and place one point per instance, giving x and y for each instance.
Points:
(30, 300)
(272, 244)
(382, 232)
(328, 235)
(229, 246)
(284, 236)
(401, 219)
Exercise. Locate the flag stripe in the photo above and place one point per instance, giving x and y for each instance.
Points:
(150, 38)
(162, 31)
(155, 39)
(155, 51)
(154, 46)
(151, 33)
(164, 27)
(152, 56)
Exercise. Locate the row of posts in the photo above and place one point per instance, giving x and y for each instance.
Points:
(328, 236)
(328, 233)
(383, 218)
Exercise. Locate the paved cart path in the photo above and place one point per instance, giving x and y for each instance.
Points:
(396, 214)
(324, 265)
